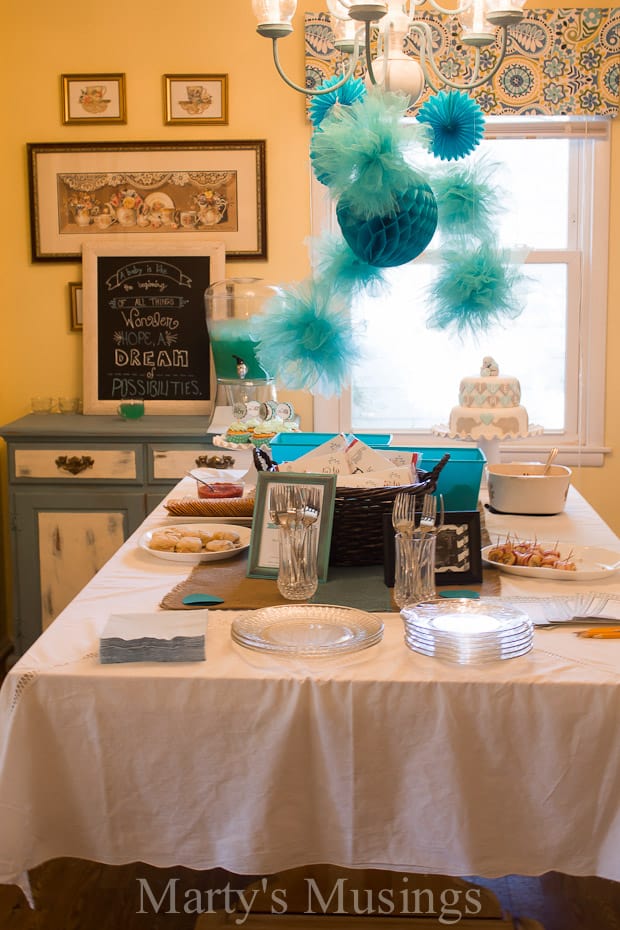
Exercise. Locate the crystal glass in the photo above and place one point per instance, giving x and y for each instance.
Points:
(414, 579)
(297, 573)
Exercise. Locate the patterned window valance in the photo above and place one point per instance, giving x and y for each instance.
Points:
(559, 62)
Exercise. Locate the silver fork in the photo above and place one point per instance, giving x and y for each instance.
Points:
(403, 513)
(428, 519)
(311, 510)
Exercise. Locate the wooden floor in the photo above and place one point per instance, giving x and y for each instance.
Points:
(75, 895)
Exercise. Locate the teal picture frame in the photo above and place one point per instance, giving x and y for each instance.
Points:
(263, 551)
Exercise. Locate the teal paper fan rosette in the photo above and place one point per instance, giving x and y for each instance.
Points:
(345, 95)
(457, 122)
(395, 238)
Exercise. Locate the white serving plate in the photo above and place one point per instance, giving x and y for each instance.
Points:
(593, 563)
(193, 558)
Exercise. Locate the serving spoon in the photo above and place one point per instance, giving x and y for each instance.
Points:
(207, 484)
(550, 460)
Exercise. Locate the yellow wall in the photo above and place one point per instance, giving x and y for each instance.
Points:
(42, 40)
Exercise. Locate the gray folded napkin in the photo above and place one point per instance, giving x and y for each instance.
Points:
(162, 636)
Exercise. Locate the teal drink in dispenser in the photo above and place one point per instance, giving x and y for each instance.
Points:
(240, 378)
(232, 348)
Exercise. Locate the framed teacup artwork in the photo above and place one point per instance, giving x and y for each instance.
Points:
(196, 99)
(93, 98)
(263, 556)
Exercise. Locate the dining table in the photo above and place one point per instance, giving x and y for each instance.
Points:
(381, 758)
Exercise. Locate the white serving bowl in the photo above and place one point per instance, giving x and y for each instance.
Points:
(521, 487)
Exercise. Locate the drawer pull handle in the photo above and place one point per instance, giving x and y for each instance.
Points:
(74, 463)
(215, 461)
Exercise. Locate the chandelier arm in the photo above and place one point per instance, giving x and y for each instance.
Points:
(316, 91)
(427, 58)
(371, 73)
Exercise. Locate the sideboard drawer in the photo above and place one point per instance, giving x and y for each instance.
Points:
(78, 464)
(172, 464)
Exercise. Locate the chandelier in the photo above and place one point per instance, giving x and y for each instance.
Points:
(483, 23)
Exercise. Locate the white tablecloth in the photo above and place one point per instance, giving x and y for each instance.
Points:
(253, 763)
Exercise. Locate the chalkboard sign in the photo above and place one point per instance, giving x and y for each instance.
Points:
(145, 332)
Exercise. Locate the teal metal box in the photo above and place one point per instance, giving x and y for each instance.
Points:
(460, 479)
(459, 482)
(287, 447)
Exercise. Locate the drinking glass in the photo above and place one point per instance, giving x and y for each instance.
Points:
(131, 409)
(297, 573)
(68, 404)
(414, 568)
(41, 404)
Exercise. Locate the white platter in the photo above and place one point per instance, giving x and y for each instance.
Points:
(592, 564)
(193, 558)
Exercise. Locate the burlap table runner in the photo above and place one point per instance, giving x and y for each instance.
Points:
(363, 588)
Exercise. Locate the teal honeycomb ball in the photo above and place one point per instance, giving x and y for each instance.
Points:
(397, 238)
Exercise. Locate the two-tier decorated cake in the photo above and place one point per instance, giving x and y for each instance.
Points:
(489, 406)
(489, 409)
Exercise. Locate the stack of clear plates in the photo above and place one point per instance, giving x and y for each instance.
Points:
(307, 630)
(467, 631)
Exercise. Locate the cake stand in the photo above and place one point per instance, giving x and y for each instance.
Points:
(487, 438)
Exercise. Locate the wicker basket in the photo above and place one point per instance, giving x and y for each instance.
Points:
(357, 535)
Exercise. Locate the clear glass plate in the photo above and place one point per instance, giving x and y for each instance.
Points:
(507, 639)
(467, 631)
(483, 618)
(465, 656)
(307, 630)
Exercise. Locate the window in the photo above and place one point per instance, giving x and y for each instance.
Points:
(554, 175)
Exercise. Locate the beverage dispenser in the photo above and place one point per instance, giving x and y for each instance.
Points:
(242, 384)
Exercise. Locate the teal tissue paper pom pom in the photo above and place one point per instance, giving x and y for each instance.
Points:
(397, 237)
(305, 337)
(360, 151)
(338, 267)
(457, 122)
(323, 105)
(475, 289)
(468, 200)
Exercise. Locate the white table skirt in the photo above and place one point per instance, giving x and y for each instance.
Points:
(253, 763)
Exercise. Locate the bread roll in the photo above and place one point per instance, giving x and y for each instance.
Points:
(189, 544)
(219, 545)
(227, 534)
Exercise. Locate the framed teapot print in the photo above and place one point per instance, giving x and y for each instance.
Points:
(194, 191)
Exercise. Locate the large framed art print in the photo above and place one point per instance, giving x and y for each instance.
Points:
(194, 191)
